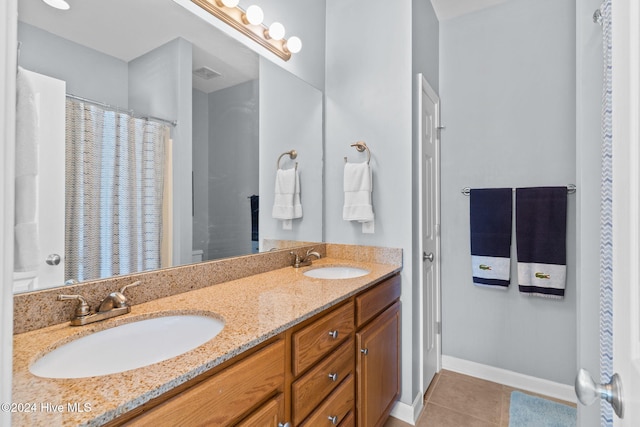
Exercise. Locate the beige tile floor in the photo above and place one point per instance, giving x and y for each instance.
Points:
(456, 400)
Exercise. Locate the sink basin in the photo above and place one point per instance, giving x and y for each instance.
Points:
(336, 272)
(129, 346)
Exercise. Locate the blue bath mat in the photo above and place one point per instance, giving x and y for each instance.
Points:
(531, 411)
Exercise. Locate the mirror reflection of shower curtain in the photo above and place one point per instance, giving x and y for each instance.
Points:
(114, 192)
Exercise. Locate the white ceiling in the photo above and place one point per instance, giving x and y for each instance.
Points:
(447, 9)
(126, 29)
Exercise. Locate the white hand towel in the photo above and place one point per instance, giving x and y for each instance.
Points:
(357, 192)
(286, 204)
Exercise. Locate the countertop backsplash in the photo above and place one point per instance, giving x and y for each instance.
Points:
(39, 309)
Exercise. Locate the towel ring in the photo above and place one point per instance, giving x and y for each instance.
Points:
(292, 155)
(361, 146)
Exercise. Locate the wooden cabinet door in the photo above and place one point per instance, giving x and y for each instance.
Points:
(225, 396)
(271, 414)
(378, 367)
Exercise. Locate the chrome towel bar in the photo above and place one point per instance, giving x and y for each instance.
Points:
(571, 188)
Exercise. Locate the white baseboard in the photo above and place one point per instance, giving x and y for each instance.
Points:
(509, 378)
(408, 413)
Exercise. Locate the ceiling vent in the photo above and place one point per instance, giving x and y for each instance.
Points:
(206, 73)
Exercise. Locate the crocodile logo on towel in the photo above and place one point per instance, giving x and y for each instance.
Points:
(543, 276)
(485, 267)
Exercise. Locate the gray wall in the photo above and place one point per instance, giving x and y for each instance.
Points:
(88, 73)
(233, 168)
(290, 118)
(426, 42)
(588, 142)
(160, 85)
(368, 92)
(507, 80)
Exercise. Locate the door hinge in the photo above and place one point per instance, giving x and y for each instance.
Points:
(439, 328)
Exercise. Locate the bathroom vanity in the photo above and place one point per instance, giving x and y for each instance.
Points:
(295, 350)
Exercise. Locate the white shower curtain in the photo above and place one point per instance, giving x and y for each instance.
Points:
(114, 192)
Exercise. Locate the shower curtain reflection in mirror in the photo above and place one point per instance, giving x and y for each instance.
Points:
(115, 179)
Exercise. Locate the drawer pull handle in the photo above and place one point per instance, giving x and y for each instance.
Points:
(333, 419)
(284, 424)
(333, 376)
(333, 334)
(364, 351)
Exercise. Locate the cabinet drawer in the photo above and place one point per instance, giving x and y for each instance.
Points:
(323, 335)
(314, 386)
(269, 415)
(349, 420)
(224, 397)
(377, 299)
(336, 408)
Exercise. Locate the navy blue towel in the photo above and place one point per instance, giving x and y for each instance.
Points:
(541, 239)
(490, 215)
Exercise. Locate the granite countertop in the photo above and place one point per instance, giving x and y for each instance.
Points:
(253, 308)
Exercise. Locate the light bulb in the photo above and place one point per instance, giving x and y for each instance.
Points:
(294, 44)
(254, 15)
(275, 31)
(230, 3)
(58, 4)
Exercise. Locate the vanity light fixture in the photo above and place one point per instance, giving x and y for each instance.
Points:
(275, 31)
(293, 45)
(58, 4)
(249, 22)
(254, 15)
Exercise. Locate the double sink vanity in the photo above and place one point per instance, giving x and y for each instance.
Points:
(259, 344)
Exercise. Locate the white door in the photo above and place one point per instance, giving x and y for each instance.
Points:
(428, 131)
(50, 102)
(626, 205)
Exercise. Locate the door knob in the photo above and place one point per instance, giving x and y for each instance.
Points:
(53, 259)
(588, 391)
(426, 257)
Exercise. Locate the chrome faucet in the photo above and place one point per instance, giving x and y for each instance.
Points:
(115, 304)
(306, 260)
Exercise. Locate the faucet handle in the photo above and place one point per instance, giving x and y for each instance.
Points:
(130, 285)
(82, 309)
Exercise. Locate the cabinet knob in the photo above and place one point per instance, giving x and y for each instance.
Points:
(333, 376)
(364, 351)
(333, 419)
(333, 334)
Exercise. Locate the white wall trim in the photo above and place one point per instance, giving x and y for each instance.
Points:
(510, 378)
(408, 413)
(8, 49)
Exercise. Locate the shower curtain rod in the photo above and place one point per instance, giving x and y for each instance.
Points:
(172, 123)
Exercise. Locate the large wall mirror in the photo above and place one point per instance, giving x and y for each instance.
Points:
(127, 70)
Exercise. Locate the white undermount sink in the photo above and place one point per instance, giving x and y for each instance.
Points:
(129, 346)
(336, 272)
